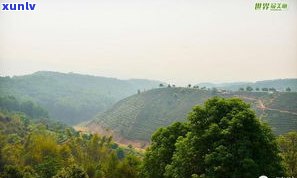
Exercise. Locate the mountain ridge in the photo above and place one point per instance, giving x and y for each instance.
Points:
(72, 98)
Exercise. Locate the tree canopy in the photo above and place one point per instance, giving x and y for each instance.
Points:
(224, 139)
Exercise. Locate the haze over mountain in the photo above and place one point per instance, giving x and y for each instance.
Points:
(278, 84)
(138, 116)
(73, 98)
(69, 97)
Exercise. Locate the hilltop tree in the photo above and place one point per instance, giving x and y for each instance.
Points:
(249, 88)
(272, 89)
(288, 89)
(225, 139)
(161, 85)
(189, 85)
(264, 89)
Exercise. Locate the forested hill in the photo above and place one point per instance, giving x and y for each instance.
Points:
(32, 147)
(138, 116)
(278, 84)
(70, 97)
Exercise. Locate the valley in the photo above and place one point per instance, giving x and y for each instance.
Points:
(56, 124)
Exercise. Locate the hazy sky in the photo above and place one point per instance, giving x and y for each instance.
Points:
(177, 41)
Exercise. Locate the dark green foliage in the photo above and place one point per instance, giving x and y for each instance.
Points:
(72, 171)
(49, 166)
(248, 88)
(225, 139)
(71, 98)
(264, 89)
(12, 172)
(159, 154)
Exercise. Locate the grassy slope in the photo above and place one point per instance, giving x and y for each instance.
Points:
(138, 116)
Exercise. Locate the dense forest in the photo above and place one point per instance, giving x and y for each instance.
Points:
(222, 138)
(69, 97)
(36, 147)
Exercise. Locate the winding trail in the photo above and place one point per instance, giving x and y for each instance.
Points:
(263, 107)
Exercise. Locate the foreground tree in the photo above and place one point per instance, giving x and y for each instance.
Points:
(225, 139)
(72, 171)
(288, 145)
(162, 148)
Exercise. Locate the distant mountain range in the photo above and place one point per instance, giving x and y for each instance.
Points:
(73, 98)
(278, 84)
(138, 116)
(69, 97)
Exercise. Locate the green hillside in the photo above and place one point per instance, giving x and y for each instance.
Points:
(278, 84)
(71, 98)
(138, 116)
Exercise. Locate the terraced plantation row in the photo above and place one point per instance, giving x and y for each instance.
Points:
(138, 116)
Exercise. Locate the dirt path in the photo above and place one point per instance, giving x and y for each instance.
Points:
(262, 106)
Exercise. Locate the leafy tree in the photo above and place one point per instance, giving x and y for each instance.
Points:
(288, 145)
(288, 89)
(249, 88)
(264, 89)
(129, 167)
(225, 139)
(161, 85)
(35, 151)
(272, 89)
(12, 172)
(257, 89)
(72, 171)
(159, 154)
